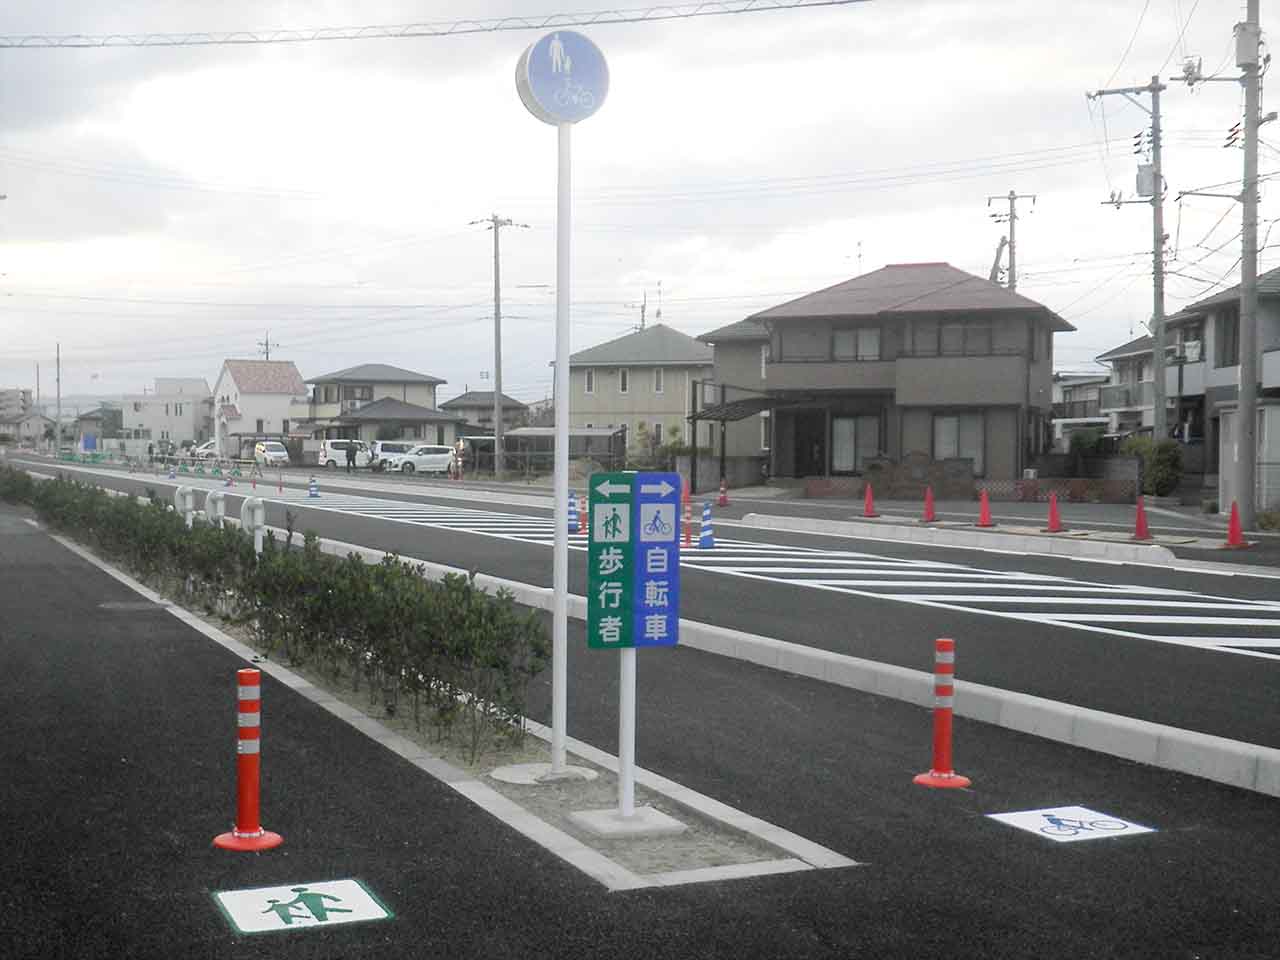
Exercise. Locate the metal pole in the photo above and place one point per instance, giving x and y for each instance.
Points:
(560, 614)
(1159, 425)
(693, 457)
(1246, 414)
(627, 733)
(497, 355)
(57, 427)
(1013, 241)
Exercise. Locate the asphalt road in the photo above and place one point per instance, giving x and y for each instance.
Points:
(118, 771)
(1216, 691)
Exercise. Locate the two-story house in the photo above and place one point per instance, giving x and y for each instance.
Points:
(257, 399)
(1202, 376)
(371, 398)
(475, 408)
(176, 409)
(1077, 406)
(916, 358)
(643, 378)
(14, 401)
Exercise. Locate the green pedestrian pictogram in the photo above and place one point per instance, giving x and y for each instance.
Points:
(610, 557)
(301, 906)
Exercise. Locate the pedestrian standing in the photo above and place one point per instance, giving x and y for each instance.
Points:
(351, 455)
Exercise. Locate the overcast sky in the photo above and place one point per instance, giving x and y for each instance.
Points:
(168, 206)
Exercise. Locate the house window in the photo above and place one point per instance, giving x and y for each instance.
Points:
(854, 440)
(624, 380)
(952, 339)
(868, 343)
(590, 382)
(764, 361)
(137, 406)
(924, 338)
(284, 426)
(960, 435)
(844, 344)
(657, 380)
(764, 429)
(977, 338)
(260, 426)
(1228, 330)
(177, 409)
(1032, 336)
(166, 409)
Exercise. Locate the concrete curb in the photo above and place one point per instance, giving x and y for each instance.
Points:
(951, 537)
(1236, 763)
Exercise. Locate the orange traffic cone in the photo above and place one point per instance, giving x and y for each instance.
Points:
(1235, 536)
(1140, 531)
(869, 503)
(929, 515)
(984, 511)
(1055, 521)
(724, 493)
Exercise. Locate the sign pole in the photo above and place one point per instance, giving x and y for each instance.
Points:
(627, 733)
(560, 618)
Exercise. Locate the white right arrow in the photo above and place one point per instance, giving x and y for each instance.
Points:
(608, 488)
(661, 489)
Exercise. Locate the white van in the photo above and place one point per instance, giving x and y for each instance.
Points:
(333, 453)
(424, 458)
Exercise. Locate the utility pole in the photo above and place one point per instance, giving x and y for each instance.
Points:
(496, 224)
(265, 345)
(1012, 219)
(57, 426)
(1248, 35)
(1158, 412)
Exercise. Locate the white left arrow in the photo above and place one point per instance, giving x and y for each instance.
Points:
(608, 488)
(661, 489)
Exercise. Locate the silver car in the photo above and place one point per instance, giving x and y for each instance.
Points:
(424, 458)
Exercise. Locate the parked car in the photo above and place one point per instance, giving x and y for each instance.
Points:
(424, 458)
(333, 453)
(382, 450)
(270, 453)
(206, 451)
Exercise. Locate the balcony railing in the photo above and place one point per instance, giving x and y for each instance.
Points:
(1126, 396)
(1077, 409)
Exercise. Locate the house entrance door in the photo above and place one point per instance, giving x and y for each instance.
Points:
(811, 444)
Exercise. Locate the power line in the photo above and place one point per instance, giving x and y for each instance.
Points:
(682, 11)
(1181, 34)
(1124, 56)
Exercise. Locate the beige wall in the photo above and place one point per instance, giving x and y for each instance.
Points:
(961, 381)
(607, 406)
(422, 394)
(1000, 430)
(738, 363)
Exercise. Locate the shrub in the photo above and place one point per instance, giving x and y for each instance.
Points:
(1269, 520)
(1161, 464)
(1208, 506)
(450, 646)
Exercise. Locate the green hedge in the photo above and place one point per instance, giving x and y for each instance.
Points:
(462, 658)
(1161, 464)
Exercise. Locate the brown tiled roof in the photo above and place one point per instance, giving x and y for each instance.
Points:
(1134, 347)
(905, 288)
(267, 376)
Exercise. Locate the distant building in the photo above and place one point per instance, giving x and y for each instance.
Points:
(339, 398)
(101, 423)
(1077, 406)
(26, 428)
(390, 419)
(646, 377)
(255, 399)
(475, 407)
(177, 409)
(14, 401)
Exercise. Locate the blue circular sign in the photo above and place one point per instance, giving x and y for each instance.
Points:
(563, 78)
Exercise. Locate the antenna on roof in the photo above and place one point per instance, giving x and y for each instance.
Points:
(265, 345)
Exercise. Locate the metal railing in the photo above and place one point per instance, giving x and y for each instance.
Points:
(1125, 396)
(1077, 409)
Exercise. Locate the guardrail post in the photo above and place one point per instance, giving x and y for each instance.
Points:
(184, 502)
(253, 519)
(215, 508)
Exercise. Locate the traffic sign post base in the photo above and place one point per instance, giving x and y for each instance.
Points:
(644, 822)
(942, 780)
(264, 840)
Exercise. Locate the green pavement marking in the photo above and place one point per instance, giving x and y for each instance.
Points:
(300, 906)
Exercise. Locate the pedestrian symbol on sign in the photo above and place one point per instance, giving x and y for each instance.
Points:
(610, 521)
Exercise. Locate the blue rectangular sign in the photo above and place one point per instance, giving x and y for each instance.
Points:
(655, 599)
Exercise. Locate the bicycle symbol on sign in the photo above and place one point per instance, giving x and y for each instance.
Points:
(1069, 826)
(657, 526)
(575, 94)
